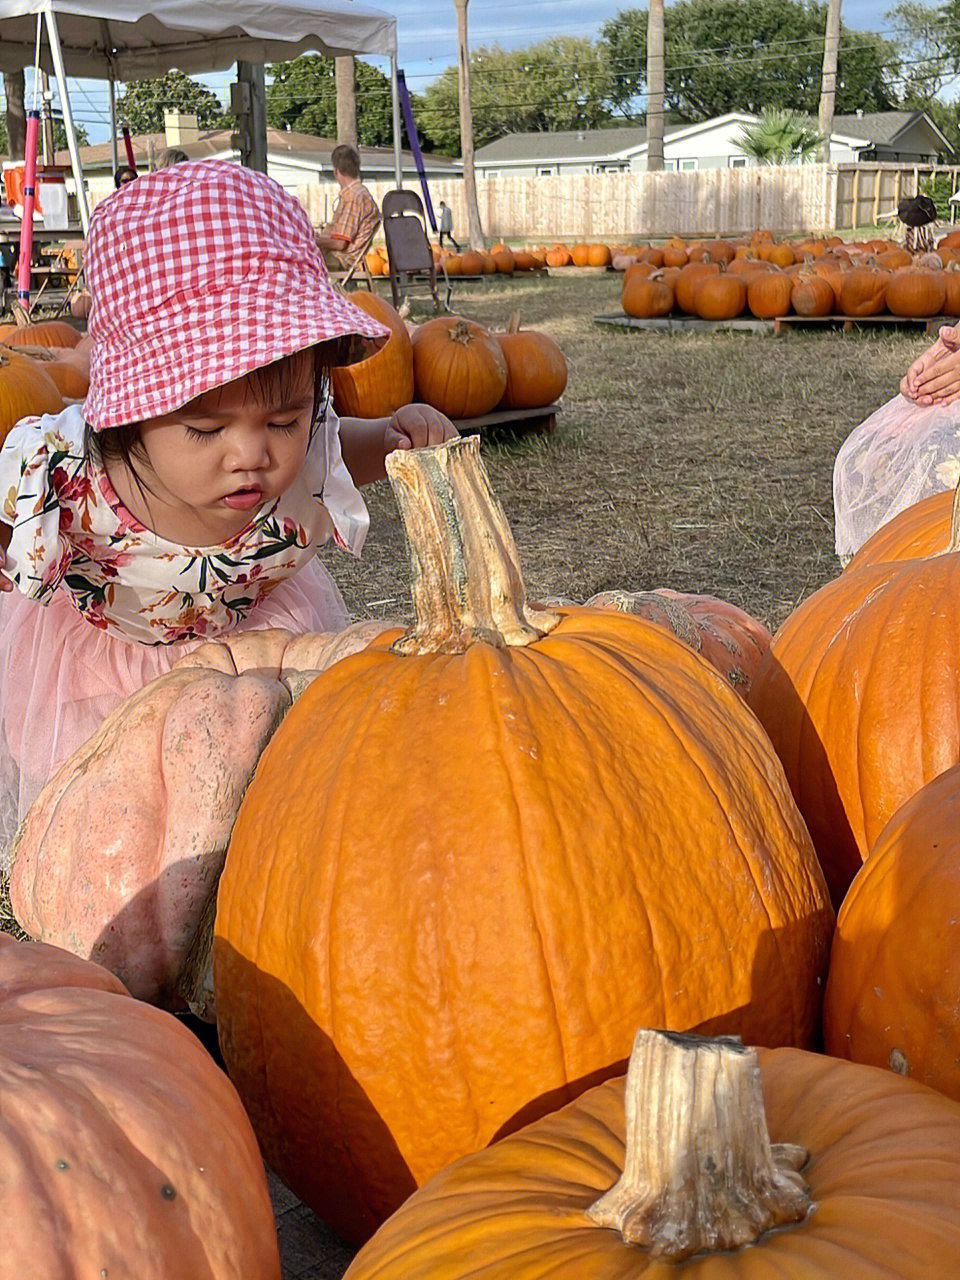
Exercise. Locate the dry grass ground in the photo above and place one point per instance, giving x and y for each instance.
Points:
(701, 462)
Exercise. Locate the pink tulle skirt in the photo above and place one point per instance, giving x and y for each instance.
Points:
(60, 677)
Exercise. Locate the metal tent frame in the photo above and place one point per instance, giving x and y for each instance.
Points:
(117, 41)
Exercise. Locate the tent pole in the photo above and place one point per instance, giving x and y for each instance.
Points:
(395, 97)
(114, 151)
(56, 53)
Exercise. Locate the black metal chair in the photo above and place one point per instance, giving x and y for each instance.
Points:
(409, 255)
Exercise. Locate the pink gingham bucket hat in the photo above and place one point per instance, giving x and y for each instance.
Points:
(201, 273)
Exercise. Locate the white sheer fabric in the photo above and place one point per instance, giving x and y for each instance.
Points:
(903, 452)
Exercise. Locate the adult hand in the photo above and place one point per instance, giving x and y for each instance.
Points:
(414, 426)
(934, 377)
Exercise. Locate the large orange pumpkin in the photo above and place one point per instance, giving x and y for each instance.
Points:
(646, 296)
(619, 1184)
(769, 293)
(124, 1149)
(812, 295)
(921, 530)
(474, 856)
(458, 367)
(862, 291)
(25, 389)
(536, 367)
(721, 297)
(375, 387)
(860, 694)
(893, 995)
(916, 293)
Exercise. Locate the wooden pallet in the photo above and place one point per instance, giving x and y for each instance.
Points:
(930, 323)
(542, 420)
(693, 324)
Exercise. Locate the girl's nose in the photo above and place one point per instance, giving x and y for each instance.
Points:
(249, 449)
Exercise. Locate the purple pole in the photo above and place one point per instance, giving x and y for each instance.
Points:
(29, 199)
(408, 120)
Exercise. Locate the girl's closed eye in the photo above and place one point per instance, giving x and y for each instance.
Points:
(194, 433)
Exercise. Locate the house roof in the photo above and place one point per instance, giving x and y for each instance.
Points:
(884, 127)
(876, 127)
(296, 148)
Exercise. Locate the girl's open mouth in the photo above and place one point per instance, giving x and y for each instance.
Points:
(244, 499)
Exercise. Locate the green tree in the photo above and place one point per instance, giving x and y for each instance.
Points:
(748, 55)
(144, 101)
(779, 137)
(925, 37)
(59, 136)
(561, 83)
(302, 96)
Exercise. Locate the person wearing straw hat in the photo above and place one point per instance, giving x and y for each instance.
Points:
(187, 496)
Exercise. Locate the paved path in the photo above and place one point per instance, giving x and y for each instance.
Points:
(308, 1248)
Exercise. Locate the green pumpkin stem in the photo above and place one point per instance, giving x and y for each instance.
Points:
(467, 586)
(700, 1173)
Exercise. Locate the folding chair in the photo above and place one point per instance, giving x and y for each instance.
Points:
(408, 249)
(358, 272)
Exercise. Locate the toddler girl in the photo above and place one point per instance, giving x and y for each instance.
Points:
(188, 495)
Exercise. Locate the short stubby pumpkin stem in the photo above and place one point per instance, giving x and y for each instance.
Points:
(467, 585)
(700, 1173)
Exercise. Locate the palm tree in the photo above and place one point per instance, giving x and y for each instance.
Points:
(779, 137)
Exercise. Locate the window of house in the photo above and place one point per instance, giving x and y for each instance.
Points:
(688, 164)
(546, 171)
(670, 165)
(491, 173)
(738, 162)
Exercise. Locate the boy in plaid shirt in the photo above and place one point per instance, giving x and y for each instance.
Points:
(355, 218)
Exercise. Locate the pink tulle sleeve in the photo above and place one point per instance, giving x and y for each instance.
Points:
(38, 556)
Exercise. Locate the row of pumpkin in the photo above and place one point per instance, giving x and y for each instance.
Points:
(474, 855)
(719, 282)
(503, 259)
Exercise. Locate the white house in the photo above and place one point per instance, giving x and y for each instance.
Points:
(907, 136)
(293, 159)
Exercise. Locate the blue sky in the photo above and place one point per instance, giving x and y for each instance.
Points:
(427, 35)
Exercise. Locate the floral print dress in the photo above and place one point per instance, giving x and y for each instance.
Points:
(71, 533)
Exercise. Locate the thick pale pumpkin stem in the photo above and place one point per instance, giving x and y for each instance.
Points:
(467, 585)
(700, 1173)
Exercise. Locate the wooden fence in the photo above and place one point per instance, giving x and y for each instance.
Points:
(786, 199)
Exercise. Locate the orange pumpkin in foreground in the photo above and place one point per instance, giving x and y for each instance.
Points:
(124, 1149)
(860, 694)
(375, 387)
(876, 1199)
(42, 333)
(893, 995)
(475, 856)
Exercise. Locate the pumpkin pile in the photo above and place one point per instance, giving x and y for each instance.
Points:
(766, 278)
(42, 365)
(451, 363)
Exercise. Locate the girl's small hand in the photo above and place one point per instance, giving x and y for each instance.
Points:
(934, 377)
(5, 583)
(413, 426)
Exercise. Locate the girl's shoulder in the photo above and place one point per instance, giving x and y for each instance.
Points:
(49, 434)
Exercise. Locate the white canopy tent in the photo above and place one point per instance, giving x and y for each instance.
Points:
(117, 40)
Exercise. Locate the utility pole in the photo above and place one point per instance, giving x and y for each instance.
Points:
(474, 229)
(248, 102)
(13, 91)
(655, 85)
(344, 72)
(828, 85)
(46, 120)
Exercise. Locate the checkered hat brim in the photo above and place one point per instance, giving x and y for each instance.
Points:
(200, 274)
